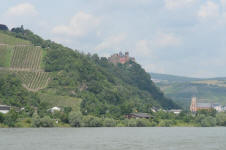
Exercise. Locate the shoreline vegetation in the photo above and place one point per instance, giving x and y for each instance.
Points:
(76, 119)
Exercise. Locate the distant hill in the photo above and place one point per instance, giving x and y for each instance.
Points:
(181, 89)
(171, 78)
(60, 76)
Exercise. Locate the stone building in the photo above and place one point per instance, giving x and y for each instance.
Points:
(120, 58)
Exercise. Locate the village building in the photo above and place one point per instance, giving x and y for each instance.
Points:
(175, 111)
(218, 107)
(4, 109)
(54, 109)
(195, 106)
(120, 58)
(199, 106)
(137, 116)
(204, 106)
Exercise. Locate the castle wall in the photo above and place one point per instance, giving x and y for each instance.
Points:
(120, 58)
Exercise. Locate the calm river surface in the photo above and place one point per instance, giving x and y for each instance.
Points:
(113, 139)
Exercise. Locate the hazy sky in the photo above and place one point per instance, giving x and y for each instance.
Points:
(182, 37)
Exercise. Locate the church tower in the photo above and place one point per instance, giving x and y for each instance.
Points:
(193, 107)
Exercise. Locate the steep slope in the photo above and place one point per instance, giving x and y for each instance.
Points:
(105, 89)
(23, 59)
(5, 55)
(11, 40)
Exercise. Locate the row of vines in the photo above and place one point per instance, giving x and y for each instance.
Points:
(26, 57)
(19, 57)
(33, 80)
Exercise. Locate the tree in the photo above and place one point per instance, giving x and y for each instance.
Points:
(10, 118)
(208, 122)
(221, 119)
(143, 123)
(166, 123)
(109, 122)
(1, 117)
(46, 122)
(36, 122)
(3, 27)
(91, 121)
(75, 119)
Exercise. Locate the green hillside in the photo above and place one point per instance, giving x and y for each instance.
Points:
(5, 55)
(11, 40)
(32, 80)
(89, 90)
(181, 89)
(61, 76)
(26, 57)
(24, 60)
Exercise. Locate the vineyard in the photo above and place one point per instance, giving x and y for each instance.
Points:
(25, 62)
(32, 80)
(26, 57)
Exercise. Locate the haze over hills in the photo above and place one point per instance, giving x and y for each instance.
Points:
(171, 78)
(181, 89)
(54, 75)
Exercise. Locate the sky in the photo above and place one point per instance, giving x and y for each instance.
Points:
(180, 37)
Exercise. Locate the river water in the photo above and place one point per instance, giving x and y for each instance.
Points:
(113, 139)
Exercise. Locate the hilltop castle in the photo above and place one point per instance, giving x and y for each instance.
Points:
(120, 58)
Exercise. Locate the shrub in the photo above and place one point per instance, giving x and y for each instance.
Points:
(221, 119)
(208, 122)
(143, 123)
(91, 121)
(10, 118)
(46, 122)
(1, 117)
(130, 122)
(36, 122)
(109, 122)
(24, 123)
(75, 119)
(166, 123)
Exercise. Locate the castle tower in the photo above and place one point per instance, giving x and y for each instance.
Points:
(193, 107)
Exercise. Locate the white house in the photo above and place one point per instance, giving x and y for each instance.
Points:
(218, 108)
(175, 111)
(4, 109)
(54, 109)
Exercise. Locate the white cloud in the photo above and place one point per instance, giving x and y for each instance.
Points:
(166, 40)
(143, 47)
(173, 4)
(223, 2)
(209, 10)
(24, 9)
(111, 42)
(80, 24)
